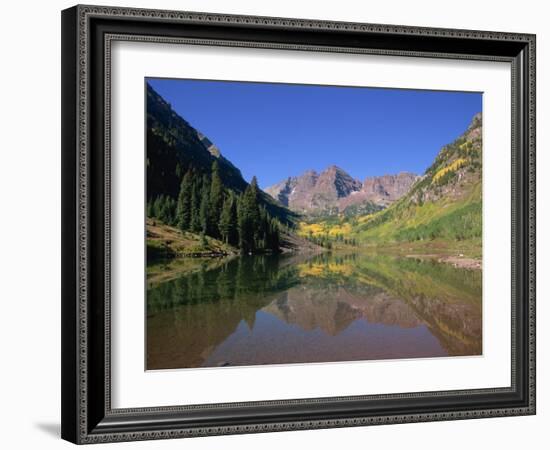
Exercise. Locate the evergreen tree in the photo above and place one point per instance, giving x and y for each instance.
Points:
(216, 199)
(274, 236)
(253, 193)
(195, 222)
(172, 205)
(204, 215)
(243, 227)
(161, 210)
(262, 232)
(167, 209)
(157, 204)
(228, 220)
(183, 209)
(249, 218)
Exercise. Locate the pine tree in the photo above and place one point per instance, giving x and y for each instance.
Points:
(195, 222)
(216, 199)
(183, 209)
(228, 220)
(249, 218)
(234, 234)
(204, 216)
(274, 236)
(262, 232)
(253, 193)
(157, 204)
(167, 209)
(161, 207)
(243, 226)
(172, 211)
(254, 209)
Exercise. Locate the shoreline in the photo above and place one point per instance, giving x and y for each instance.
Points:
(458, 261)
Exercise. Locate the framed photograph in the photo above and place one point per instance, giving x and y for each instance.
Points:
(278, 224)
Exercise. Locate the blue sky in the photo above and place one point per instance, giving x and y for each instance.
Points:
(278, 130)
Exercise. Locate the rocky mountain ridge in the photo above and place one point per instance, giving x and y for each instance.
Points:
(334, 191)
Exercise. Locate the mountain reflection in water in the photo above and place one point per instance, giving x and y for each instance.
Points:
(298, 309)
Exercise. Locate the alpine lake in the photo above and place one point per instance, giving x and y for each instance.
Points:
(328, 307)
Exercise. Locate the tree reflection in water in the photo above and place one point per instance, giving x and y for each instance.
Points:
(321, 308)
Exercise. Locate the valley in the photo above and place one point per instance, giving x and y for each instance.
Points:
(199, 204)
(439, 213)
(262, 248)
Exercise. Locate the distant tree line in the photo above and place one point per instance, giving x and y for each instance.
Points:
(329, 241)
(205, 207)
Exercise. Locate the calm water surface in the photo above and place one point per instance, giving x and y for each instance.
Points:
(297, 309)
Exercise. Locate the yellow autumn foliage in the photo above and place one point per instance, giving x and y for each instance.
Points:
(322, 229)
(313, 229)
(311, 270)
(319, 270)
(341, 269)
(455, 165)
(343, 229)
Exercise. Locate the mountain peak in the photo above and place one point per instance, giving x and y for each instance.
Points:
(476, 121)
(333, 190)
(474, 129)
(335, 183)
(386, 189)
(310, 173)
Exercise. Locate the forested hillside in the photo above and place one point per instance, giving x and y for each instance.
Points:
(445, 204)
(174, 147)
(192, 187)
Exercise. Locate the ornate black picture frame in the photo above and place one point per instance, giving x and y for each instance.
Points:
(87, 34)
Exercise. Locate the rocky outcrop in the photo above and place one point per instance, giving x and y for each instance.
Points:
(334, 191)
(314, 192)
(381, 191)
(388, 188)
(295, 192)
